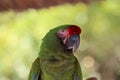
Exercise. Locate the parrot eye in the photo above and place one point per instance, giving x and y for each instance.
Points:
(62, 31)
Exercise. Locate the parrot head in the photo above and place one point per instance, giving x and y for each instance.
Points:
(70, 37)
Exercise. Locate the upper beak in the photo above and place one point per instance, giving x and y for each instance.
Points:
(72, 43)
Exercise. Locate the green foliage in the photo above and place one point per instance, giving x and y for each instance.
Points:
(21, 34)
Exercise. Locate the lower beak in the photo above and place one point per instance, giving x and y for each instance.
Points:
(72, 43)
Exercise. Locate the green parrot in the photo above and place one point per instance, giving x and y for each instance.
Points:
(56, 60)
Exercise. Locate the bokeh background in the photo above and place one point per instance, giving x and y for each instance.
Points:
(99, 52)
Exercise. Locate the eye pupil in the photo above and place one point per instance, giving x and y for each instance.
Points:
(62, 30)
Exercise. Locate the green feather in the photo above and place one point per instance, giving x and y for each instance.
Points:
(54, 62)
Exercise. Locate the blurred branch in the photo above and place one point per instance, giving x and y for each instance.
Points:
(92, 78)
(19, 5)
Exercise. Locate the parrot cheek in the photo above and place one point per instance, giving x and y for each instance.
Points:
(72, 43)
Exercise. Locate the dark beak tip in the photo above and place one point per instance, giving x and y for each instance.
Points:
(72, 43)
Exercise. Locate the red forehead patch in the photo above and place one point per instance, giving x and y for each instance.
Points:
(73, 30)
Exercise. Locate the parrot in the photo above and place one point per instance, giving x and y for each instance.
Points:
(56, 60)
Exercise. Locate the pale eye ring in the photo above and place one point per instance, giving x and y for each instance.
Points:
(62, 31)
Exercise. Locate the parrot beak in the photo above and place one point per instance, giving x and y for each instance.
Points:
(72, 43)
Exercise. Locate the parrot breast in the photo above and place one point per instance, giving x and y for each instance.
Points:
(57, 70)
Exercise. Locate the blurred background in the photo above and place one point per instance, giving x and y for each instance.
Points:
(23, 27)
